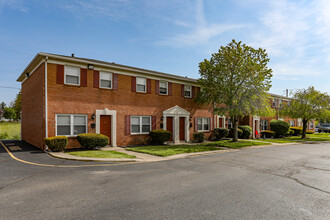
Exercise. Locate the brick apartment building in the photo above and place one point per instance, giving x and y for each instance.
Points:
(63, 95)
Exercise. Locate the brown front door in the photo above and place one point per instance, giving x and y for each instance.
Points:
(220, 123)
(169, 126)
(182, 128)
(105, 125)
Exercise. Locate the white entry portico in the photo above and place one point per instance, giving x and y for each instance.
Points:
(176, 112)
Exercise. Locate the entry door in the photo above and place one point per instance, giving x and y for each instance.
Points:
(220, 123)
(182, 128)
(105, 125)
(169, 126)
(256, 128)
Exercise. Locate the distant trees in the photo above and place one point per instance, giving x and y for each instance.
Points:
(9, 113)
(13, 112)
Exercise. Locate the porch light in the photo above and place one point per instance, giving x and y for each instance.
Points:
(27, 75)
(90, 66)
(93, 116)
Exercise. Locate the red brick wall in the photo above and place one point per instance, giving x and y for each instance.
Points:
(85, 100)
(33, 123)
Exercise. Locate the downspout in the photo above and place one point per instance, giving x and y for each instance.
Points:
(46, 109)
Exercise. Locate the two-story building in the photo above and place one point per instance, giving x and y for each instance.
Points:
(67, 95)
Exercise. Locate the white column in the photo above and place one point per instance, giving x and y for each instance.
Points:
(176, 129)
(187, 129)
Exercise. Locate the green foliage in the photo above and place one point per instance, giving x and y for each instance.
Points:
(297, 130)
(159, 136)
(267, 134)
(290, 132)
(9, 113)
(307, 104)
(199, 137)
(235, 81)
(239, 132)
(247, 131)
(10, 130)
(57, 143)
(92, 140)
(309, 132)
(280, 128)
(220, 133)
(17, 105)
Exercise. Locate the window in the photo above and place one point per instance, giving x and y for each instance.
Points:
(274, 102)
(72, 75)
(105, 80)
(187, 91)
(140, 124)
(71, 125)
(289, 103)
(141, 84)
(203, 124)
(280, 102)
(291, 123)
(229, 124)
(264, 125)
(163, 87)
(311, 125)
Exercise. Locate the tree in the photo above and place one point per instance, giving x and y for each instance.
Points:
(235, 81)
(307, 104)
(2, 106)
(9, 113)
(17, 105)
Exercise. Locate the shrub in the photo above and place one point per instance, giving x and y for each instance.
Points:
(91, 140)
(220, 133)
(297, 130)
(247, 131)
(199, 137)
(57, 143)
(280, 127)
(290, 132)
(267, 134)
(159, 136)
(309, 132)
(239, 132)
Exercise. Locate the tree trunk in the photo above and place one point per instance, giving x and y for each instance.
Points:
(303, 135)
(235, 124)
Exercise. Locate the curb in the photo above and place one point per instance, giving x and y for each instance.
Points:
(91, 159)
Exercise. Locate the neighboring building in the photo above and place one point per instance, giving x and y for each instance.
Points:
(63, 95)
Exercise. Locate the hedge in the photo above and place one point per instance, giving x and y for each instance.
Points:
(220, 133)
(247, 131)
(91, 140)
(280, 127)
(297, 130)
(199, 137)
(159, 136)
(290, 132)
(309, 132)
(239, 132)
(57, 143)
(267, 134)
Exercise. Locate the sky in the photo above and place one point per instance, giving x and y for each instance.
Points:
(171, 36)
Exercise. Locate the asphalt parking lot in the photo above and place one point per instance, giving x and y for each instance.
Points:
(280, 182)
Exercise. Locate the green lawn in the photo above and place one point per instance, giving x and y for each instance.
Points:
(234, 145)
(10, 130)
(100, 154)
(166, 150)
(295, 139)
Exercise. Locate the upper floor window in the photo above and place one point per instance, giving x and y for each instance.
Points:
(289, 103)
(203, 124)
(187, 91)
(280, 103)
(106, 80)
(264, 125)
(71, 125)
(274, 102)
(72, 75)
(163, 87)
(141, 84)
(140, 124)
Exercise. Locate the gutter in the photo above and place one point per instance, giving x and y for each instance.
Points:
(46, 101)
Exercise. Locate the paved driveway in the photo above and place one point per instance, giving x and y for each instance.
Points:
(282, 182)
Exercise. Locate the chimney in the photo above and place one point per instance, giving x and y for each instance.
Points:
(287, 93)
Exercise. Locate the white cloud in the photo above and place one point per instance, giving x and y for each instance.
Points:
(13, 4)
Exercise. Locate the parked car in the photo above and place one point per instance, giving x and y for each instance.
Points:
(323, 128)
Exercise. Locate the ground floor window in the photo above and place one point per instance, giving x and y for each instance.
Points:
(291, 123)
(311, 125)
(264, 125)
(229, 124)
(203, 124)
(71, 125)
(140, 124)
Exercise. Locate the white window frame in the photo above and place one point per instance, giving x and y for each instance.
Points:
(140, 116)
(71, 123)
(290, 123)
(66, 73)
(203, 123)
(184, 90)
(166, 83)
(111, 79)
(280, 103)
(145, 84)
(311, 125)
(274, 102)
(231, 123)
(264, 123)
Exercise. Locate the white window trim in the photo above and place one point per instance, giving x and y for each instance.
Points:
(203, 124)
(263, 124)
(290, 123)
(274, 102)
(71, 124)
(145, 86)
(184, 90)
(140, 116)
(111, 76)
(65, 74)
(166, 87)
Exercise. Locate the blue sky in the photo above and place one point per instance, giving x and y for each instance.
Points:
(170, 36)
